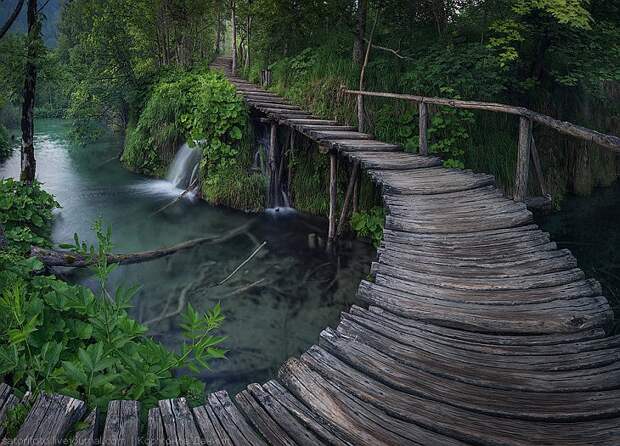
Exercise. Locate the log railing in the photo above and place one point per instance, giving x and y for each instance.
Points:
(527, 147)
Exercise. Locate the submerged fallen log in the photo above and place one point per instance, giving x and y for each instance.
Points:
(55, 257)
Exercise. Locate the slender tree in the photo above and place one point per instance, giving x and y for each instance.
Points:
(360, 31)
(28, 162)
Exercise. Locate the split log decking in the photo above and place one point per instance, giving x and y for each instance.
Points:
(477, 330)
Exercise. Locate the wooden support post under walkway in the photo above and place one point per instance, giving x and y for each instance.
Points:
(272, 167)
(349, 197)
(333, 198)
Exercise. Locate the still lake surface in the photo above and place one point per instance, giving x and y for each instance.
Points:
(275, 306)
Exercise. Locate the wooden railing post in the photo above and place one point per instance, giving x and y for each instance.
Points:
(523, 159)
(333, 198)
(423, 109)
(361, 119)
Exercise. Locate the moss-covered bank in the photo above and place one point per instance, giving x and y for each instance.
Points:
(201, 108)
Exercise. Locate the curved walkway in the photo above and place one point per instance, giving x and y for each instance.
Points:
(477, 330)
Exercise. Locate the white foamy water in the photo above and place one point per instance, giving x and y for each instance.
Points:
(184, 168)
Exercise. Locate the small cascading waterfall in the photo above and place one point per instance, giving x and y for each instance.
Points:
(271, 163)
(183, 171)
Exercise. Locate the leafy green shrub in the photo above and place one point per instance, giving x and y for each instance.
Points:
(369, 224)
(448, 132)
(5, 144)
(189, 107)
(25, 214)
(202, 108)
(63, 338)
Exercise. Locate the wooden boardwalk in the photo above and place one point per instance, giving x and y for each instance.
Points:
(476, 330)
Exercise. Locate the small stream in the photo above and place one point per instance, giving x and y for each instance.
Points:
(275, 306)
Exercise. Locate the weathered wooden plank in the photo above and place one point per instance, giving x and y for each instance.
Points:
(430, 181)
(50, 419)
(361, 145)
(472, 428)
(586, 354)
(537, 340)
(299, 433)
(88, 436)
(306, 417)
(359, 423)
(546, 317)
(542, 262)
(476, 284)
(261, 420)
(320, 135)
(535, 406)
(178, 423)
(450, 224)
(232, 421)
(122, 425)
(155, 435)
(210, 427)
(535, 373)
(393, 160)
(272, 105)
(7, 402)
(311, 122)
(569, 291)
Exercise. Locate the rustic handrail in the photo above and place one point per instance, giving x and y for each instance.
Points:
(527, 148)
(604, 140)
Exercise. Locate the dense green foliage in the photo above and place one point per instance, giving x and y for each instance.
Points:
(64, 338)
(369, 224)
(201, 108)
(116, 50)
(25, 214)
(557, 57)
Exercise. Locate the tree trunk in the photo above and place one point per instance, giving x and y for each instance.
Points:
(234, 37)
(28, 162)
(218, 37)
(360, 32)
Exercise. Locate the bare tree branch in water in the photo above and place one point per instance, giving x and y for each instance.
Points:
(203, 274)
(54, 257)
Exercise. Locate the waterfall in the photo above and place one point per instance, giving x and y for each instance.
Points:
(271, 163)
(184, 168)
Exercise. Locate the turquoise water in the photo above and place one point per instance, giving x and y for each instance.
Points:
(275, 306)
(590, 228)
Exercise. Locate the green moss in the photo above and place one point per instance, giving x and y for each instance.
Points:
(141, 157)
(310, 182)
(236, 188)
